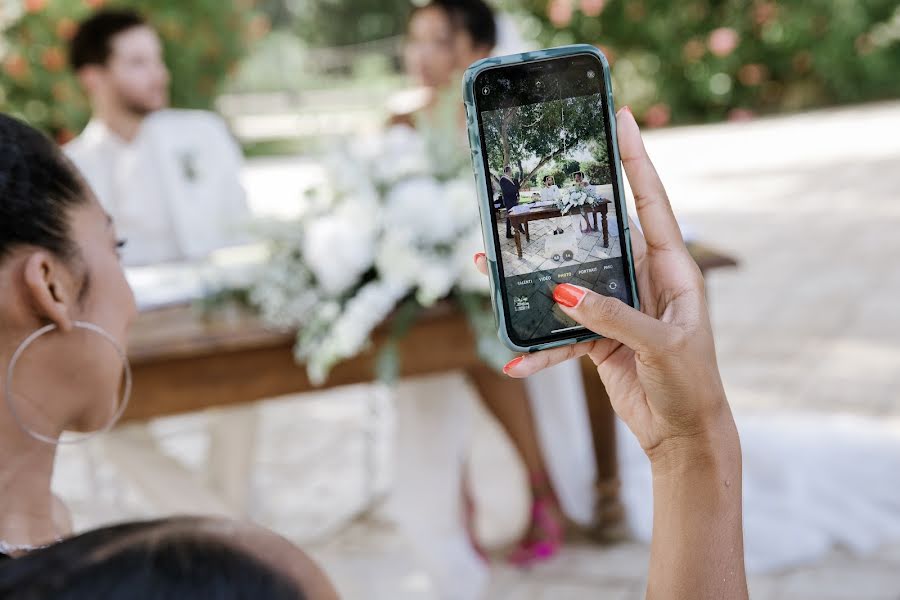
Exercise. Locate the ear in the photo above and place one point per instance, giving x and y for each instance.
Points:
(89, 77)
(49, 288)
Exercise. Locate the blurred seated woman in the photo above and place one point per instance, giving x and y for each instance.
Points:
(444, 37)
(176, 558)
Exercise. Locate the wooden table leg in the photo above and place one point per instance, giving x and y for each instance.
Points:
(604, 210)
(515, 228)
(527, 233)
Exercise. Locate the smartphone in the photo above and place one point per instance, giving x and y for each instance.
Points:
(542, 131)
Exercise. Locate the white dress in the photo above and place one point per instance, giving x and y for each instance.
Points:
(810, 483)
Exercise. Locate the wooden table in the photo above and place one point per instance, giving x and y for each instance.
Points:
(519, 219)
(183, 361)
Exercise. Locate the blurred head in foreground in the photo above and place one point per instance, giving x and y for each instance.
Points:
(169, 559)
(443, 37)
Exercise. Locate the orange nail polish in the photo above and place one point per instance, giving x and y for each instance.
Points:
(477, 256)
(511, 364)
(568, 295)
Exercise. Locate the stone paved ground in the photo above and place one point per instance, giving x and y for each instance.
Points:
(810, 206)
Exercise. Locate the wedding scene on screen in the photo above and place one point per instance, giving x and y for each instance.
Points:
(553, 200)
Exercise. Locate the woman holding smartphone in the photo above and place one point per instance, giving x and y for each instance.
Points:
(58, 265)
(659, 366)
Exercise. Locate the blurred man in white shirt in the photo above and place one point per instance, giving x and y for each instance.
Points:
(170, 178)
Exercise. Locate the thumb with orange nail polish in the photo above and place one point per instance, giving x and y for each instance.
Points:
(568, 295)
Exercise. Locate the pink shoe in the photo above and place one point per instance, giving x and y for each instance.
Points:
(549, 532)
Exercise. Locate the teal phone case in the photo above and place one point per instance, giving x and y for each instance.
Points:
(484, 202)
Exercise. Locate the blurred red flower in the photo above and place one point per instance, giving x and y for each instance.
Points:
(560, 13)
(16, 66)
(66, 28)
(658, 115)
(53, 59)
(723, 41)
(740, 114)
(764, 12)
(34, 6)
(752, 74)
(592, 8)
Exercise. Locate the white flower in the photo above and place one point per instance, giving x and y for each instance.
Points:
(417, 208)
(385, 203)
(469, 278)
(403, 154)
(351, 329)
(338, 250)
(436, 278)
(461, 202)
(398, 260)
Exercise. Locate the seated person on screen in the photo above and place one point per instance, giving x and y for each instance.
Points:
(550, 193)
(581, 182)
(169, 178)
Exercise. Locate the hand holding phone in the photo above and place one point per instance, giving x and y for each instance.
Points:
(658, 363)
(659, 368)
(542, 134)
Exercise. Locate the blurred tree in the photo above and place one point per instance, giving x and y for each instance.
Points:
(204, 39)
(700, 60)
(326, 23)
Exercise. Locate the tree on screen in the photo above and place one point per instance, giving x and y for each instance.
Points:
(532, 136)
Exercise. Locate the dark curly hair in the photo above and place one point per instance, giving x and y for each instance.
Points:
(164, 559)
(475, 17)
(91, 43)
(38, 189)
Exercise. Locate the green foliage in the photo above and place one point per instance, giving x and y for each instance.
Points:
(538, 134)
(323, 23)
(700, 60)
(203, 40)
(597, 172)
(571, 166)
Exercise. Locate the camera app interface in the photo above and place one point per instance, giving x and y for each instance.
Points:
(551, 183)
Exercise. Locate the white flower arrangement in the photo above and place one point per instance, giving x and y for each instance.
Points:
(402, 228)
(577, 197)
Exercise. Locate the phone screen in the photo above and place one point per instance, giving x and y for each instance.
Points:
(557, 215)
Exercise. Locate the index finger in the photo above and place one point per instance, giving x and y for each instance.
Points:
(661, 230)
